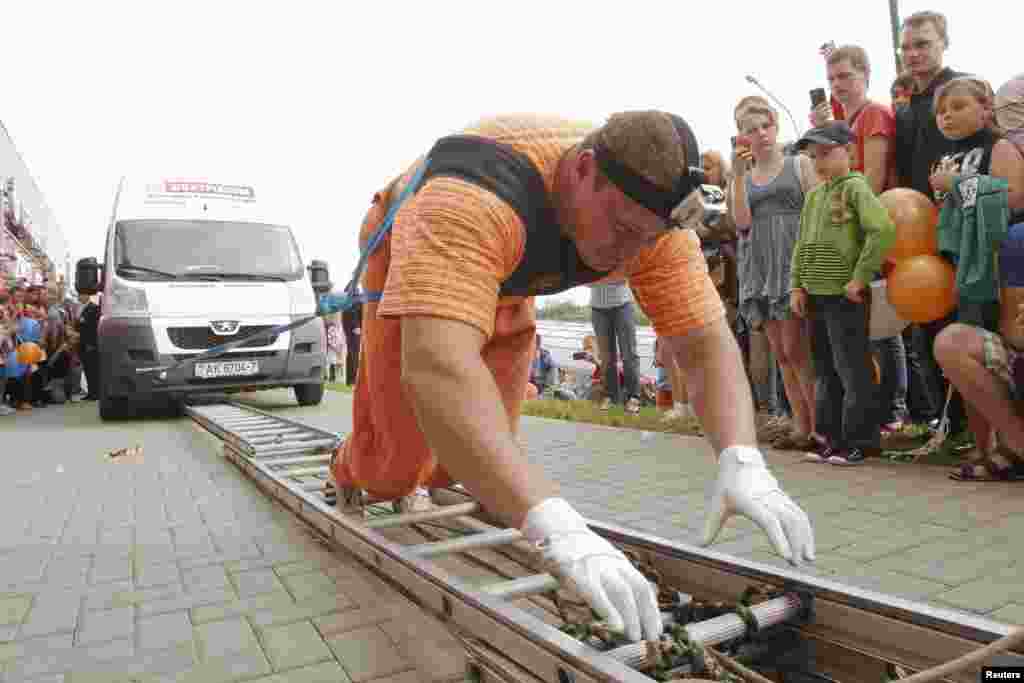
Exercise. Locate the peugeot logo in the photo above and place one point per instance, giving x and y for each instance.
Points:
(224, 328)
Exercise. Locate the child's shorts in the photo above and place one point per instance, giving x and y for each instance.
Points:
(1003, 361)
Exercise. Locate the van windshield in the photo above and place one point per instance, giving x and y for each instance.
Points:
(194, 250)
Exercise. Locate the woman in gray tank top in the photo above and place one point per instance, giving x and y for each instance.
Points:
(765, 203)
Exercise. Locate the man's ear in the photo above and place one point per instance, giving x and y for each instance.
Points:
(585, 167)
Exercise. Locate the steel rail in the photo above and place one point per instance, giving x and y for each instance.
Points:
(845, 618)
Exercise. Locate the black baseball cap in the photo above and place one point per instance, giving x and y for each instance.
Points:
(832, 133)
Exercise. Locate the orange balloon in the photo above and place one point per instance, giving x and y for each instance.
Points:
(916, 220)
(922, 288)
(29, 353)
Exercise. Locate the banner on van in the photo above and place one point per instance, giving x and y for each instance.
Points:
(193, 187)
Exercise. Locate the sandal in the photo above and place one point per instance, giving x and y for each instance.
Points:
(974, 456)
(1001, 465)
(772, 428)
(794, 442)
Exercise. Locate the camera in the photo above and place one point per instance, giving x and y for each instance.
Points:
(711, 201)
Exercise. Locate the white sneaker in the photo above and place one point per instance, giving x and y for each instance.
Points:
(6, 410)
(418, 501)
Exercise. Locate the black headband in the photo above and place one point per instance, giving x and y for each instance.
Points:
(656, 199)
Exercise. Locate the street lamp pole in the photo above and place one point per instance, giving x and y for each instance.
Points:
(894, 18)
(796, 128)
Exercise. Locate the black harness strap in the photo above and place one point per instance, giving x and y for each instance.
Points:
(550, 262)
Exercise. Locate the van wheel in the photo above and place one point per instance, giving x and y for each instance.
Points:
(309, 394)
(175, 407)
(112, 408)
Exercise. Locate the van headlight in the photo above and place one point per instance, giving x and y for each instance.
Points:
(126, 300)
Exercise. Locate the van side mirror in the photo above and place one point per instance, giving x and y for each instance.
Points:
(88, 273)
(320, 277)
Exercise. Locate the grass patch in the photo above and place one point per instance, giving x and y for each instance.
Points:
(649, 419)
(336, 386)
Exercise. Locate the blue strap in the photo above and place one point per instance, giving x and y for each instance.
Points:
(332, 303)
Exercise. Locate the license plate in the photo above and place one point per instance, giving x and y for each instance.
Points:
(229, 368)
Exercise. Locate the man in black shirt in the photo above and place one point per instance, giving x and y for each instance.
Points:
(352, 324)
(919, 145)
(88, 330)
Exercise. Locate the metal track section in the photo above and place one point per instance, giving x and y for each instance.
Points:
(854, 634)
(290, 461)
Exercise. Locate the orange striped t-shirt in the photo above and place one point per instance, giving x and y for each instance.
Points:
(454, 243)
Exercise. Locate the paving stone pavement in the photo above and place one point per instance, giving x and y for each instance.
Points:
(179, 569)
(900, 529)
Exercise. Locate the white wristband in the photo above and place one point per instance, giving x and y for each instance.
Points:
(551, 516)
(743, 455)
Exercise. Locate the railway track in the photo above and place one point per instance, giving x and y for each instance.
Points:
(481, 581)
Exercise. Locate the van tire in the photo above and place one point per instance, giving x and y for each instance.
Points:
(309, 394)
(175, 407)
(112, 408)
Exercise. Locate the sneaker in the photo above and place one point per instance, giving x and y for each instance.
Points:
(893, 427)
(6, 410)
(418, 501)
(820, 452)
(853, 456)
(350, 502)
(606, 404)
(633, 406)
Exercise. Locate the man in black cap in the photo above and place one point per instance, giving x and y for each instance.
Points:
(511, 208)
(844, 233)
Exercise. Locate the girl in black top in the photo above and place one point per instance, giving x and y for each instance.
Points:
(965, 114)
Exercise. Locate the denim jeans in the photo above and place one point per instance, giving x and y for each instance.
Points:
(846, 398)
(892, 361)
(615, 330)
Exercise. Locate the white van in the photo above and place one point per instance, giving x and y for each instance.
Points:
(190, 265)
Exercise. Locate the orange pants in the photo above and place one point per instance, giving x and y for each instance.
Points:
(387, 454)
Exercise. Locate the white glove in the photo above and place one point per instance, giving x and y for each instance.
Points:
(745, 486)
(594, 569)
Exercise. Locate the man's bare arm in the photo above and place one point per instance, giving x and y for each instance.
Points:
(716, 383)
(460, 410)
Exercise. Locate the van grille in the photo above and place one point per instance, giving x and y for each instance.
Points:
(246, 355)
(204, 338)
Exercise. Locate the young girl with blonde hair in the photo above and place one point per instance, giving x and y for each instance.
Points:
(766, 197)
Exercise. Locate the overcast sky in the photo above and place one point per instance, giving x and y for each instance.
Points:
(324, 102)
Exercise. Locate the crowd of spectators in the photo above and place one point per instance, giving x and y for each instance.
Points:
(47, 344)
(802, 252)
(809, 236)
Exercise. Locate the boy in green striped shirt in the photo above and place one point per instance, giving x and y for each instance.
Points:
(844, 234)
